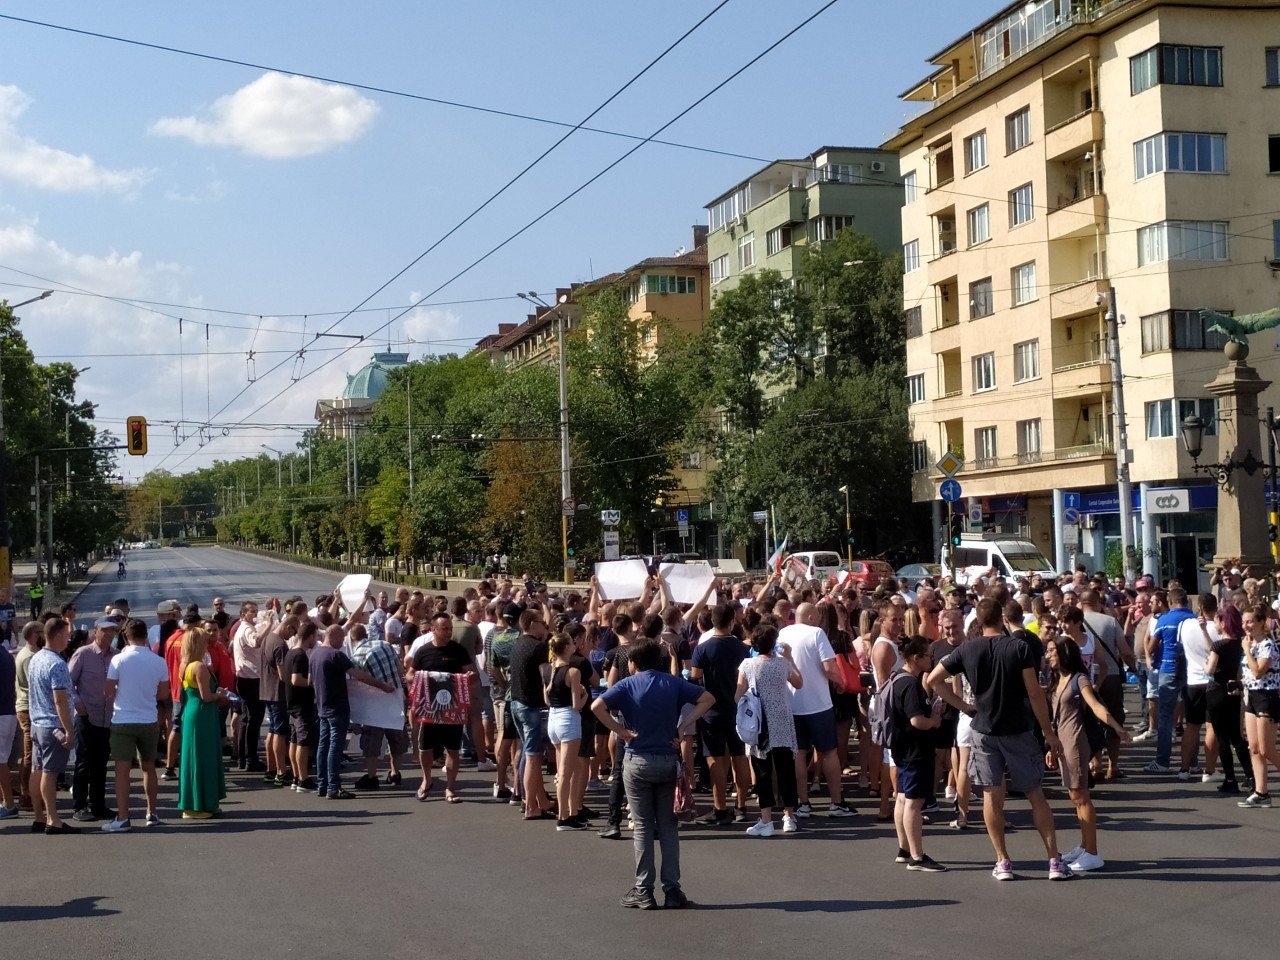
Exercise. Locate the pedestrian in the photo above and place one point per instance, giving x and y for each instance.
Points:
(441, 655)
(527, 704)
(329, 666)
(772, 674)
(915, 719)
(8, 730)
(32, 641)
(1172, 676)
(380, 660)
(649, 700)
(1262, 709)
(497, 664)
(247, 637)
(566, 696)
(137, 680)
(1113, 652)
(35, 597)
(275, 645)
(715, 662)
(1225, 695)
(300, 702)
(89, 669)
(202, 784)
(51, 706)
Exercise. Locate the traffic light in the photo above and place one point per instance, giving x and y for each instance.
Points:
(852, 540)
(1272, 532)
(136, 431)
(957, 528)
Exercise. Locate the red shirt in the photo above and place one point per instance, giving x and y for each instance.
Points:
(222, 667)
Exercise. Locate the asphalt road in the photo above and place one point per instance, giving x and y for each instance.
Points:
(1188, 873)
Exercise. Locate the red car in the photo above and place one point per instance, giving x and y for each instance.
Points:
(869, 573)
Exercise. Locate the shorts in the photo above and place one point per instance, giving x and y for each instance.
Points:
(1111, 693)
(720, 738)
(47, 754)
(845, 706)
(816, 730)
(964, 732)
(8, 733)
(1017, 756)
(1195, 701)
(587, 745)
(134, 739)
(915, 779)
(529, 725)
(486, 703)
(1153, 685)
(439, 737)
(371, 739)
(175, 725)
(277, 718)
(504, 721)
(1261, 703)
(944, 737)
(304, 728)
(563, 724)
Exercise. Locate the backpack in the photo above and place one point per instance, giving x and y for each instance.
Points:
(883, 707)
(750, 713)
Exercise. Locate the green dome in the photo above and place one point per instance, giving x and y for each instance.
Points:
(369, 381)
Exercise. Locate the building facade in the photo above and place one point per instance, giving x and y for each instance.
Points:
(343, 416)
(1071, 154)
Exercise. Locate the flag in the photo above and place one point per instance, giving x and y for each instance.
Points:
(774, 563)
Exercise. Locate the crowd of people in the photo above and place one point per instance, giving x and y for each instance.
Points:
(760, 694)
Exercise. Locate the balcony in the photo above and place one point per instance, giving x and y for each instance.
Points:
(1042, 459)
(1076, 297)
(1073, 135)
(1086, 371)
(1078, 216)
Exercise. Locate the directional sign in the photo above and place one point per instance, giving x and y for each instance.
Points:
(1070, 515)
(1071, 500)
(611, 545)
(760, 515)
(611, 518)
(949, 490)
(949, 464)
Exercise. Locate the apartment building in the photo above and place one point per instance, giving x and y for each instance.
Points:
(1065, 150)
(766, 221)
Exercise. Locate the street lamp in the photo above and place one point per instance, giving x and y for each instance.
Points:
(566, 496)
(278, 456)
(1193, 439)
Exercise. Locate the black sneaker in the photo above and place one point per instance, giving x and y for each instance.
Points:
(341, 795)
(931, 807)
(586, 813)
(367, 782)
(269, 776)
(904, 856)
(675, 900)
(564, 826)
(841, 810)
(308, 785)
(641, 898)
(1229, 786)
(926, 864)
(501, 793)
(169, 774)
(712, 817)
(83, 816)
(740, 815)
(611, 832)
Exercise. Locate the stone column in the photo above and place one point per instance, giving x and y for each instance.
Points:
(1242, 517)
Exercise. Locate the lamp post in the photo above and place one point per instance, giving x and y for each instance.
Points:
(566, 495)
(408, 406)
(848, 527)
(279, 482)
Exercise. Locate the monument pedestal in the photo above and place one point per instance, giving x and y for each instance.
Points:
(1242, 514)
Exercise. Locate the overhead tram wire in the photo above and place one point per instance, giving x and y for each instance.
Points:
(549, 210)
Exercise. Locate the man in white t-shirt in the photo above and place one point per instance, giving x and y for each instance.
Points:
(1196, 636)
(811, 706)
(137, 680)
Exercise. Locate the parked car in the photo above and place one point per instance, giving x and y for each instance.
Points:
(817, 564)
(179, 543)
(870, 573)
(911, 575)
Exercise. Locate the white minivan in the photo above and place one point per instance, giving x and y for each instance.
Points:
(1009, 557)
(818, 564)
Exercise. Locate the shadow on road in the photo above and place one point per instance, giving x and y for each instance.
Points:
(829, 906)
(72, 909)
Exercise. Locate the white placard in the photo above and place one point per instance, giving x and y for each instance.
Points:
(352, 589)
(621, 579)
(372, 707)
(687, 582)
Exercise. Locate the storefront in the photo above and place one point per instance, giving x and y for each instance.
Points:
(1184, 542)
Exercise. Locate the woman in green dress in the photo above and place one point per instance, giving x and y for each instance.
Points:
(202, 780)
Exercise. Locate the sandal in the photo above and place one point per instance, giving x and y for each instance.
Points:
(960, 823)
(424, 792)
(451, 797)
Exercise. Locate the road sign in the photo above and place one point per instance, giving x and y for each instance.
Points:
(682, 515)
(1070, 515)
(949, 464)
(975, 513)
(611, 518)
(1071, 536)
(1071, 500)
(949, 490)
(760, 515)
(569, 505)
(611, 544)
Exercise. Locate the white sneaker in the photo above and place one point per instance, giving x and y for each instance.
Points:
(804, 810)
(1144, 735)
(1073, 855)
(1184, 775)
(790, 824)
(1086, 862)
(1213, 777)
(760, 828)
(486, 766)
(1154, 767)
(951, 793)
(117, 826)
(153, 820)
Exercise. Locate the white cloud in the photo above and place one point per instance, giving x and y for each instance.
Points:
(433, 329)
(26, 161)
(278, 117)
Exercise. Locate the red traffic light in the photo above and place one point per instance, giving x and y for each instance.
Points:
(136, 436)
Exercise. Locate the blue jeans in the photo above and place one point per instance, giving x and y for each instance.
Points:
(1168, 691)
(333, 736)
(650, 780)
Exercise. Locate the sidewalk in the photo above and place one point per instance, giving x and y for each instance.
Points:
(23, 573)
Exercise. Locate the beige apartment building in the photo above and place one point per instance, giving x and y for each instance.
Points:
(1065, 150)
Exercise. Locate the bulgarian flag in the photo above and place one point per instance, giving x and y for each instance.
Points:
(774, 563)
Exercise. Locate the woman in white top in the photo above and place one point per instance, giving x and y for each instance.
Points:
(769, 673)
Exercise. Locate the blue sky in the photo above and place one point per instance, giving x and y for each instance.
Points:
(140, 174)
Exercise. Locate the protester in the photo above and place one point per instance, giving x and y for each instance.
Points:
(442, 655)
(51, 706)
(715, 663)
(772, 674)
(914, 719)
(8, 730)
(137, 680)
(202, 784)
(329, 666)
(247, 642)
(300, 701)
(1224, 697)
(565, 697)
(32, 641)
(1172, 673)
(379, 659)
(1262, 708)
(527, 702)
(89, 670)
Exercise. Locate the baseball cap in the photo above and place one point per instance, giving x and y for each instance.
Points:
(1143, 583)
(511, 612)
(106, 623)
(1069, 588)
(115, 613)
(168, 606)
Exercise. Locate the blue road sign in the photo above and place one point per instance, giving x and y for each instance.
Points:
(1071, 500)
(682, 516)
(949, 490)
(1070, 515)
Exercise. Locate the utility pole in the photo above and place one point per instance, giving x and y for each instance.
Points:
(408, 403)
(1123, 456)
(1271, 482)
(35, 490)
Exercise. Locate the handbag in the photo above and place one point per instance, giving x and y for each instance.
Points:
(686, 807)
(850, 676)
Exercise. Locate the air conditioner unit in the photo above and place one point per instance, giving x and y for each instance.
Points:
(946, 226)
(947, 246)
(877, 166)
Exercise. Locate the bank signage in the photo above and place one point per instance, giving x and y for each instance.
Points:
(1166, 500)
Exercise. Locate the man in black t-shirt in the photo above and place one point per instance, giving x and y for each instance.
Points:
(300, 701)
(527, 703)
(715, 662)
(914, 723)
(442, 655)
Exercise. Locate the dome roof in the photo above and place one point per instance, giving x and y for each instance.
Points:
(369, 381)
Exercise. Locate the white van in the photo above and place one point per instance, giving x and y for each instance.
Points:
(819, 564)
(1008, 557)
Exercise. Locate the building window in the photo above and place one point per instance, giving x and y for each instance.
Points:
(1181, 153)
(911, 256)
(691, 460)
(984, 372)
(1182, 240)
(1273, 66)
(909, 191)
(975, 152)
(1017, 130)
(980, 299)
(1023, 282)
(1273, 153)
(984, 442)
(826, 227)
(1021, 205)
(664, 283)
(915, 388)
(913, 318)
(1026, 361)
(1181, 330)
(730, 208)
(838, 173)
(777, 239)
(747, 251)
(720, 268)
(1029, 441)
(1176, 64)
(1205, 409)
(919, 456)
(1275, 239)
(979, 224)
(1164, 417)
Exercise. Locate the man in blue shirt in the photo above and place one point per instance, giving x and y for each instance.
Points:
(650, 700)
(1173, 672)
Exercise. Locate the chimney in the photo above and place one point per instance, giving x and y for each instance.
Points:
(699, 235)
(506, 327)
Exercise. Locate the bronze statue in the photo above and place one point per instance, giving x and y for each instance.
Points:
(1237, 328)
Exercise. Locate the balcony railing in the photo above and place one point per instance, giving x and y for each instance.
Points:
(1039, 457)
(1096, 351)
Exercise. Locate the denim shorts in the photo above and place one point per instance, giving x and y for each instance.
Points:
(277, 718)
(528, 720)
(564, 724)
(486, 703)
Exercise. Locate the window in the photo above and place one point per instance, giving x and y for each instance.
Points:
(980, 299)
(984, 442)
(980, 224)
(913, 318)
(1176, 64)
(731, 207)
(1155, 332)
(777, 239)
(1273, 153)
(838, 173)
(826, 227)
(915, 388)
(747, 250)
(1021, 207)
(1029, 441)
(1164, 417)
(911, 256)
(663, 283)
(1023, 283)
(919, 456)
(1273, 66)
(1017, 130)
(1181, 330)
(984, 372)
(909, 190)
(1026, 361)
(1205, 409)
(1159, 419)
(975, 152)
(691, 460)
(1182, 153)
(1182, 240)
(1275, 239)
(720, 268)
